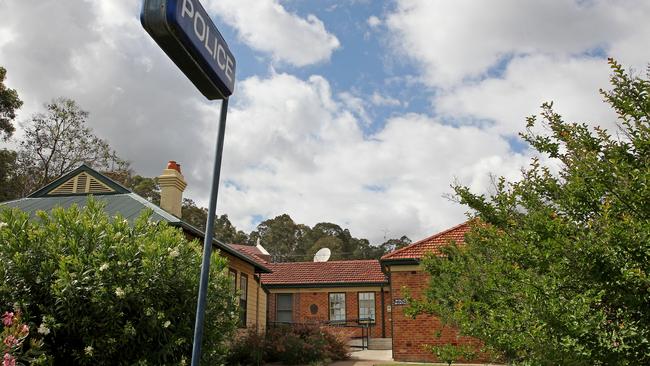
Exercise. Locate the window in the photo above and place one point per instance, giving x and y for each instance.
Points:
(243, 297)
(233, 280)
(367, 307)
(284, 308)
(337, 307)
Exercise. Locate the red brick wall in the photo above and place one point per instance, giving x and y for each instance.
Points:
(302, 313)
(409, 335)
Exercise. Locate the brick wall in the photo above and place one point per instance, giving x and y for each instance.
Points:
(409, 335)
(302, 309)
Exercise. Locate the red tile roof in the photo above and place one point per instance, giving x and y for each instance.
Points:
(431, 244)
(253, 252)
(353, 272)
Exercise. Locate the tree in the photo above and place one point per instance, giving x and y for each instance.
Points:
(556, 269)
(10, 179)
(394, 244)
(57, 141)
(282, 237)
(9, 103)
(224, 230)
(103, 291)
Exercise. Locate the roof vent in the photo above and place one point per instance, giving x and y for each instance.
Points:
(81, 183)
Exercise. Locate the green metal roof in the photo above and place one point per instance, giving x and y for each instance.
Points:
(124, 202)
(129, 205)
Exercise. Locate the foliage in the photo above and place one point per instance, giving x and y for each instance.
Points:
(451, 353)
(10, 179)
(15, 348)
(247, 349)
(394, 244)
(556, 270)
(288, 241)
(9, 102)
(111, 292)
(282, 237)
(57, 141)
(291, 345)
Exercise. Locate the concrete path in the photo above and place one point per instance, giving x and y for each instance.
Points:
(366, 358)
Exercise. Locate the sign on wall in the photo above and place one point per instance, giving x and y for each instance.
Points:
(398, 302)
(185, 32)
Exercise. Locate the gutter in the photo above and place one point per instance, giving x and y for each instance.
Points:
(331, 284)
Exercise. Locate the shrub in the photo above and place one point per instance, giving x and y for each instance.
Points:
(110, 292)
(247, 349)
(15, 348)
(290, 345)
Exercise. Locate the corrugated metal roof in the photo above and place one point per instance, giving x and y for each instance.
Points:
(129, 205)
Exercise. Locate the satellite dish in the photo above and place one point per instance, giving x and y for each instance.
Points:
(322, 255)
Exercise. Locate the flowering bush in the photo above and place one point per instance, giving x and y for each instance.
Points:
(291, 345)
(13, 347)
(110, 292)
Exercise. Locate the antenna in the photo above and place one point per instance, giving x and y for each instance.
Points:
(322, 255)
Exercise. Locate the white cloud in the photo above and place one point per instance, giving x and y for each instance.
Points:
(373, 21)
(267, 26)
(314, 162)
(460, 39)
(305, 153)
(572, 84)
(494, 63)
(380, 100)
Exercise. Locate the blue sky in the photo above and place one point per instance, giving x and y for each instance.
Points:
(361, 113)
(360, 65)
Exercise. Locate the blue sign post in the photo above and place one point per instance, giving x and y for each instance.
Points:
(184, 30)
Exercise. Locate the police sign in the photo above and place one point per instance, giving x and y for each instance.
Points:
(183, 29)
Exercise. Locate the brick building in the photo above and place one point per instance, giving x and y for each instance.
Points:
(336, 293)
(404, 272)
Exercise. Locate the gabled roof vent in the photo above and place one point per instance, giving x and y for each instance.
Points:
(81, 183)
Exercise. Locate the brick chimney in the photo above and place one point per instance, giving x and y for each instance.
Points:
(172, 184)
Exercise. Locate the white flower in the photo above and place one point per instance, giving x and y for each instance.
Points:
(174, 253)
(103, 267)
(3, 224)
(88, 350)
(43, 329)
(119, 292)
(167, 324)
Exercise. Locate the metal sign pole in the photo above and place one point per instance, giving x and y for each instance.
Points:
(207, 242)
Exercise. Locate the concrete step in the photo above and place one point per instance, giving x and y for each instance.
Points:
(380, 343)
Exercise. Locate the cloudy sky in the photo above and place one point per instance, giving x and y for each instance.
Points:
(361, 113)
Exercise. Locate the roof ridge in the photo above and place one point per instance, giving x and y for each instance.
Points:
(441, 233)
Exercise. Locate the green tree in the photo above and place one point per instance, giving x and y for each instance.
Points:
(104, 291)
(556, 271)
(224, 230)
(57, 141)
(282, 237)
(9, 103)
(331, 242)
(394, 244)
(10, 179)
